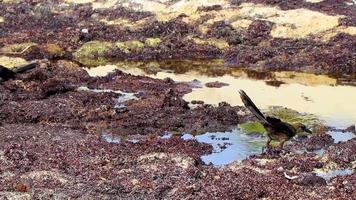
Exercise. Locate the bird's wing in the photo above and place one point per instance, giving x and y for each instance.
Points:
(280, 126)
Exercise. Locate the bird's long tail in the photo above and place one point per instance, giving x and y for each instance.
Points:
(252, 107)
(25, 68)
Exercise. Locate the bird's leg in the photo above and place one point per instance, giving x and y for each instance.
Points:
(281, 144)
(269, 142)
(268, 145)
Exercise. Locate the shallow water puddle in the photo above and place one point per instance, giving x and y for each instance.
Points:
(110, 138)
(306, 93)
(228, 146)
(124, 96)
(115, 139)
(339, 136)
(328, 175)
(167, 135)
(315, 94)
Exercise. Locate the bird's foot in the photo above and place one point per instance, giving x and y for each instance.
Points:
(272, 151)
(265, 149)
(283, 150)
(268, 149)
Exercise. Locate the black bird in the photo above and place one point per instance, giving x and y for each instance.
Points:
(276, 129)
(6, 74)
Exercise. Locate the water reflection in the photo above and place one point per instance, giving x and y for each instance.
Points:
(316, 94)
(341, 136)
(328, 175)
(229, 146)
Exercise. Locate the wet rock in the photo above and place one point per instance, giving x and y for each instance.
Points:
(93, 52)
(197, 102)
(275, 83)
(351, 129)
(210, 8)
(17, 48)
(216, 84)
(11, 62)
(312, 143)
(21, 187)
(50, 132)
(152, 42)
(15, 195)
(53, 87)
(54, 51)
(310, 179)
(172, 99)
(342, 153)
(259, 30)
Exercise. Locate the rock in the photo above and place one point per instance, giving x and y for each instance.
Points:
(93, 52)
(310, 179)
(217, 43)
(53, 50)
(152, 42)
(53, 86)
(15, 195)
(129, 46)
(342, 153)
(216, 84)
(17, 48)
(194, 102)
(351, 129)
(173, 99)
(11, 62)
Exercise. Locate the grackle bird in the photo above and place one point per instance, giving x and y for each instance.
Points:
(6, 74)
(276, 129)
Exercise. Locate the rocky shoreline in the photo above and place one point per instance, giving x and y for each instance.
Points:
(311, 37)
(67, 135)
(52, 144)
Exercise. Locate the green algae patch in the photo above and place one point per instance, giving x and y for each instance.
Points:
(10, 1)
(54, 50)
(125, 23)
(17, 48)
(292, 116)
(152, 42)
(11, 62)
(286, 115)
(93, 52)
(129, 46)
(218, 43)
(252, 127)
(79, 1)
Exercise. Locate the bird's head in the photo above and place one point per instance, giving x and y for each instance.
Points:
(301, 128)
